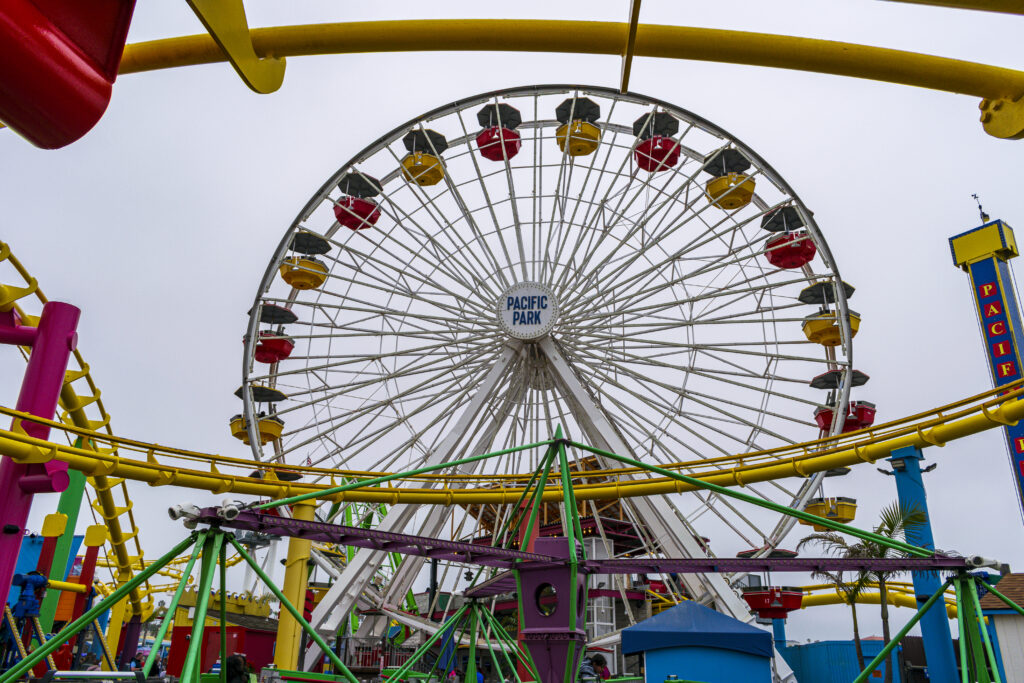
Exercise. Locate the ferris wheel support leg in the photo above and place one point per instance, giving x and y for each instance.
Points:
(52, 343)
(341, 597)
(656, 511)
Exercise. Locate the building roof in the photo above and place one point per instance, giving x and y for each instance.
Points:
(1012, 586)
(691, 625)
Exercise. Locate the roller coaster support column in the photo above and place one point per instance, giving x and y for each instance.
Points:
(95, 537)
(296, 578)
(938, 643)
(52, 343)
(69, 505)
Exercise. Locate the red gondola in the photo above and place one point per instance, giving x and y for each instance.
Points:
(657, 154)
(356, 213)
(773, 602)
(498, 144)
(273, 347)
(790, 249)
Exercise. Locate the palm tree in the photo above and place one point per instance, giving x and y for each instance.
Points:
(850, 591)
(894, 523)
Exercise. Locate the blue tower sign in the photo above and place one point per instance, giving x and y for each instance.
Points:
(984, 253)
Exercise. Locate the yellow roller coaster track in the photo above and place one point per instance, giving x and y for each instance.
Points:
(897, 593)
(162, 466)
(78, 397)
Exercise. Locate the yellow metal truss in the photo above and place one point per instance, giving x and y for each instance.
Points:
(81, 407)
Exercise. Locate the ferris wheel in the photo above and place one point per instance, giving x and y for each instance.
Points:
(551, 257)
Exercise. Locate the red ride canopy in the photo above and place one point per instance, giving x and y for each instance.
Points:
(58, 62)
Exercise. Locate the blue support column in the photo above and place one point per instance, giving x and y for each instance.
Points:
(779, 631)
(938, 643)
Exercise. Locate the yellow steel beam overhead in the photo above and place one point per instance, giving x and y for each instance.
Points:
(1003, 114)
(226, 22)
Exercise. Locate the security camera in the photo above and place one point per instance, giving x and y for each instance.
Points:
(977, 561)
(229, 509)
(183, 511)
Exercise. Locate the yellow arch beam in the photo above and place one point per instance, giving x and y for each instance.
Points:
(1004, 6)
(802, 460)
(999, 86)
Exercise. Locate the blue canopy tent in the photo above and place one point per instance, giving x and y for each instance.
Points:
(699, 644)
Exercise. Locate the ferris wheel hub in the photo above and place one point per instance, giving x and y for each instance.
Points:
(527, 310)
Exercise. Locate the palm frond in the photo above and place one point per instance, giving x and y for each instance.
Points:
(896, 519)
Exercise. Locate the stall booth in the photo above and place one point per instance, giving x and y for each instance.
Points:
(695, 643)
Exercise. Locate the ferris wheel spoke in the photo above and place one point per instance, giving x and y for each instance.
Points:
(448, 228)
(438, 426)
(323, 428)
(670, 457)
(697, 397)
(338, 391)
(373, 379)
(715, 375)
(340, 360)
(588, 224)
(460, 396)
(491, 205)
(630, 413)
(390, 272)
(656, 281)
(386, 283)
(721, 347)
(709, 503)
(652, 279)
(564, 226)
(713, 233)
(620, 211)
(709, 498)
(638, 224)
(445, 260)
(650, 309)
(591, 247)
(667, 412)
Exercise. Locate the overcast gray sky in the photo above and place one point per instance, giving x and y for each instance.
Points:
(160, 222)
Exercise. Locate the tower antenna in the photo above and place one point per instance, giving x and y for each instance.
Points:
(984, 216)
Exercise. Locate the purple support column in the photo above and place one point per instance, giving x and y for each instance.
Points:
(131, 642)
(556, 640)
(52, 343)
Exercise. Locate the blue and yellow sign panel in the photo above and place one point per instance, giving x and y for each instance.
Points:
(985, 253)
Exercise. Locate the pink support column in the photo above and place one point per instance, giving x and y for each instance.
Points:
(52, 343)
